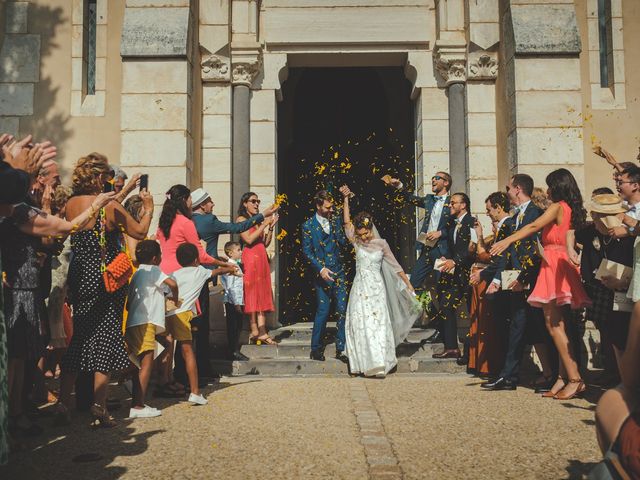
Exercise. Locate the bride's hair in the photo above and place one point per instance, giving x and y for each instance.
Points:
(363, 220)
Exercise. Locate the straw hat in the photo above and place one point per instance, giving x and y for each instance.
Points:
(607, 204)
(198, 196)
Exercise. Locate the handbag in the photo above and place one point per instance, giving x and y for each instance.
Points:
(118, 273)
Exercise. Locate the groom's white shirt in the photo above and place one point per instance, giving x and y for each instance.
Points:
(324, 223)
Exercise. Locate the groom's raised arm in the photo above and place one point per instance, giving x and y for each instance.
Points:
(308, 250)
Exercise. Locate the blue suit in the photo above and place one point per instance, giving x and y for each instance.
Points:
(428, 255)
(324, 250)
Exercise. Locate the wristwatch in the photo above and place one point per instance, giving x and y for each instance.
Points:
(631, 229)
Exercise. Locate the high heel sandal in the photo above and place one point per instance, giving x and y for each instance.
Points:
(579, 391)
(551, 393)
(101, 417)
(266, 340)
(253, 340)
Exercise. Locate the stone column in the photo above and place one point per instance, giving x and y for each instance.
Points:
(242, 76)
(451, 63)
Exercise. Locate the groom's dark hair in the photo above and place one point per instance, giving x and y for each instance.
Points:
(322, 196)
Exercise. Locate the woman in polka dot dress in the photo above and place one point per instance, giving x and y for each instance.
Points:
(97, 344)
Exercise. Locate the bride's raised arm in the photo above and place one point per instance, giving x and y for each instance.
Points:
(346, 214)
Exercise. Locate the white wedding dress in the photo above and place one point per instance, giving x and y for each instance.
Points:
(381, 309)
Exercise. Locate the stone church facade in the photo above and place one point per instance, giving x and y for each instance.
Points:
(189, 90)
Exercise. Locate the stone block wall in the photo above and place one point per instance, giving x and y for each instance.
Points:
(19, 67)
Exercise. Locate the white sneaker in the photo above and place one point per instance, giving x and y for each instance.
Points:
(146, 412)
(197, 399)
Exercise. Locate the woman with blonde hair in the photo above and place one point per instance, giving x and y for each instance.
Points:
(97, 345)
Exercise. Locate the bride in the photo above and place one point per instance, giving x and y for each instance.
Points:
(382, 305)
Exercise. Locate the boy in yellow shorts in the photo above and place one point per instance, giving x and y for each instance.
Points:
(146, 319)
(190, 279)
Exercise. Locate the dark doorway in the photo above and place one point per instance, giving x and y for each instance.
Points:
(337, 126)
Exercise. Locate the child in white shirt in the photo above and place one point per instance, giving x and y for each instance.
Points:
(233, 302)
(146, 319)
(190, 279)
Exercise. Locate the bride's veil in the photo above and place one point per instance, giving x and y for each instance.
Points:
(404, 308)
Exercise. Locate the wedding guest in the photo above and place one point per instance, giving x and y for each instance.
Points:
(558, 281)
(598, 245)
(97, 345)
(485, 355)
(174, 229)
(233, 302)
(258, 298)
(190, 279)
(134, 207)
(456, 269)
(437, 214)
(119, 178)
(540, 199)
(146, 319)
(497, 208)
(618, 410)
(209, 228)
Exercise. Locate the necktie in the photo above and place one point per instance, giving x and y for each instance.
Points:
(520, 217)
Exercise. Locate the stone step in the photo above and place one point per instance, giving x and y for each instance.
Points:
(301, 349)
(288, 367)
(302, 332)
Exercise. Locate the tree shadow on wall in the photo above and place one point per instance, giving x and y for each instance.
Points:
(50, 121)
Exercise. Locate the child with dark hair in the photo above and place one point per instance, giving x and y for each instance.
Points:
(146, 320)
(233, 301)
(190, 280)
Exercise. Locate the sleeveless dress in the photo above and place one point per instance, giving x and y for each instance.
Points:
(559, 279)
(97, 344)
(257, 277)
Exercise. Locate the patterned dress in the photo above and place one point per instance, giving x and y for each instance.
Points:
(97, 344)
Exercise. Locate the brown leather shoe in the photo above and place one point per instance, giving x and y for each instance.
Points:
(454, 353)
(579, 391)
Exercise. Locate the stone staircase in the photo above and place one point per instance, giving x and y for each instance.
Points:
(291, 356)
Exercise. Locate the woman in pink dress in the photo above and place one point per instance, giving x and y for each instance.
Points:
(258, 298)
(559, 280)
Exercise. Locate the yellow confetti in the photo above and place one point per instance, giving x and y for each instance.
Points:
(282, 234)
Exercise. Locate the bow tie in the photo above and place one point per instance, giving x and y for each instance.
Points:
(440, 198)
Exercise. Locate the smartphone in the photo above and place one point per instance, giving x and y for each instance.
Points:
(144, 182)
(108, 187)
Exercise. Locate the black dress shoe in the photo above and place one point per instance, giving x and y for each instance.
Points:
(453, 353)
(500, 383)
(342, 357)
(239, 356)
(435, 338)
(463, 360)
(544, 387)
(316, 355)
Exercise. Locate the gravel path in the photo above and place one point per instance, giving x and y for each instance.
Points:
(411, 427)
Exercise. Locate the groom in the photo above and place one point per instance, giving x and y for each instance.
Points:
(322, 241)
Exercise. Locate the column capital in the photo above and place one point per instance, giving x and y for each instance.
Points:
(243, 72)
(483, 65)
(451, 61)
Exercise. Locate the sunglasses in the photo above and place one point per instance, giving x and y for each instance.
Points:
(437, 177)
(255, 201)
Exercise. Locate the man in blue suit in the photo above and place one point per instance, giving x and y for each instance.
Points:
(437, 215)
(323, 239)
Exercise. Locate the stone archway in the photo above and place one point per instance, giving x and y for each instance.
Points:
(342, 125)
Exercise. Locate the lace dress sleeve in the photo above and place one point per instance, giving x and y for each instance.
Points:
(389, 258)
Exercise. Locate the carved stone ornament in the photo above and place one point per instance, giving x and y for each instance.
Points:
(483, 66)
(452, 67)
(244, 72)
(215, 68)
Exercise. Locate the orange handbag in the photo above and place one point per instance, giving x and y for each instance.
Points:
(118, 273)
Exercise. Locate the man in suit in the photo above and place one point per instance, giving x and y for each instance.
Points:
(437, 214)
(522, 256)
(323, 239)
(209, 228)
(461, 241)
